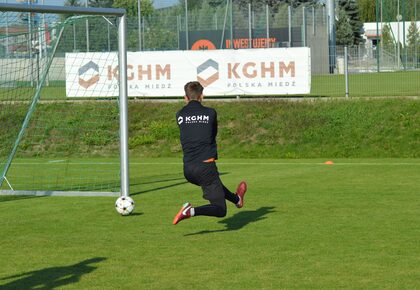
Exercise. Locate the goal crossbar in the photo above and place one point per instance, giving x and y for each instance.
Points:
(62, 9)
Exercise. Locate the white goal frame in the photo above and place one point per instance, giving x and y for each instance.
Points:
(123, 90)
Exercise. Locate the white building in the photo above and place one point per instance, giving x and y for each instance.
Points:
(371, 34)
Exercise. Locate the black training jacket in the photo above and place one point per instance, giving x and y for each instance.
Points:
(198, 130)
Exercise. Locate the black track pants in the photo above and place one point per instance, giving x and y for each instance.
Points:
(206, 175)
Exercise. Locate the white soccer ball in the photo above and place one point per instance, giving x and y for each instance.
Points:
(124, 205)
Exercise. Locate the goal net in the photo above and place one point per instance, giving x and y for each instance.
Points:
(63, 131)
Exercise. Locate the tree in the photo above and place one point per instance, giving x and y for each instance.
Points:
(296, 3)
(367, 10)
(413, 41)
(69, 3)
(101, 3)
(205, 16)
(413, 36)
(146, 7)
(387, 39)
(352, 10)
(274, 4)
(195, 4)
(344, 33)
(279, 18)
(72, 3)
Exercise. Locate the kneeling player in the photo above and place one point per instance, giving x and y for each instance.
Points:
(198, 130)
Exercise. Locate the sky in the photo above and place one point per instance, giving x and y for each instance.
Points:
(157, 3)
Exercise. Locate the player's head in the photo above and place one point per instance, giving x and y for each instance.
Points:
(193, 91)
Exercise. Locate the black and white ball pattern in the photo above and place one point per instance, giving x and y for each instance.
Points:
(124, 205)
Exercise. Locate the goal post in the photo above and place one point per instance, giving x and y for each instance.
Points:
(50, 145)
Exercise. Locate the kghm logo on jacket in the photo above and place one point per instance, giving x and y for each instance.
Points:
(194, 119)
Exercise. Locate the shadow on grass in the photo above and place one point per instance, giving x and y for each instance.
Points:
(6, 198)
(240, 220)
(164, 186)
(133, 214)
(160, 179)
(51, 278)
(159, 188)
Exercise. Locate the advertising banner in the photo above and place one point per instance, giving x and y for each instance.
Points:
(273, 71)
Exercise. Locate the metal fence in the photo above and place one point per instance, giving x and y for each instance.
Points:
(370, 73)
(179, 26)
(364, 58)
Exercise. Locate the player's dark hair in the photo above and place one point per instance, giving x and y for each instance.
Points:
(193, 90)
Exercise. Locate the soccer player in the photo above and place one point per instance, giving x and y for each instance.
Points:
(198, 130)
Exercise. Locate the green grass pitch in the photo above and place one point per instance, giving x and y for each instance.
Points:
(352, 225)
